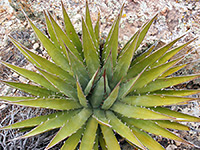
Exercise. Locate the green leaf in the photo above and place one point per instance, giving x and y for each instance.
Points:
(60, 84)
(51, 30)
(137, 68)
(64, 39)
(127, 87)
(78, 68)
(91, 82)
(172, 125)
(154, 100)
(31, 89)
(100, 116)
(81, 97)
(124, 60)
(172, 70)
(90, 53)
(165, 82)
(143, 55)
(110, 139)
(72, 142)
(89, 134)
(151, 127)
(171, 53)
(144, 30)
(97, 94)
(152, 74)
(109, 101)
(11, 99)
(44, 63)
(52, 123)
(102, 142)
(50, 103)
(37, 78)
(54, 52)
(146, 139)
(179, 116)
(122, 129)
(88, 22)
(70, 31)
(97, 30)
(23, 50)
(137, 112)
(96, 142)
(32, 122)
(176, 92)
(71, 126)
(111, 43)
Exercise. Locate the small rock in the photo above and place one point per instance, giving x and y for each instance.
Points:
(15, 75)
(23, 80)
(2, 106)
(36, 46)
(178, 143)
(171, 147)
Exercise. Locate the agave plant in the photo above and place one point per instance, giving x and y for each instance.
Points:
(101, 92)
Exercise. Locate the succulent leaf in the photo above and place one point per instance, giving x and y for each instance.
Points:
(32, 89)
(137, 112)
(55, 52)
(33, 121)
(171, 53)
(177, 92)
(72, 142)
(71, 126)
(100, 116)
(172, 125)
(179, 116)
(37, 78)
(60, 84)
(165, 82)
(110, 139)
(154, 100)
(90, 52)
(171, 71)
(52, 123)
(122, 129)
(151, 127)
(146, 139)
(89, 134)
(88, 22)
(51, 30)
(152, 58)
(70, 31)
(51, 103)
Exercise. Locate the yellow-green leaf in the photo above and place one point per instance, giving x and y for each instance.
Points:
(50, 103)
(70, 31)
(110, 139)
(70, 127)
(89, 134)
(122, 129)
(90, 53)
(165, 82)
(154, 100)
(37, 78)
(137, 112)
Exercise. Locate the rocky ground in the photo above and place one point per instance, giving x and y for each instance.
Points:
(175, 18)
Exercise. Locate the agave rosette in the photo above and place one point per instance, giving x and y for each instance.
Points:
(101, 92)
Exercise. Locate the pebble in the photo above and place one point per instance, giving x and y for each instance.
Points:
(23, 80)
(15, 75)
(171, 147)
(36, 46)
